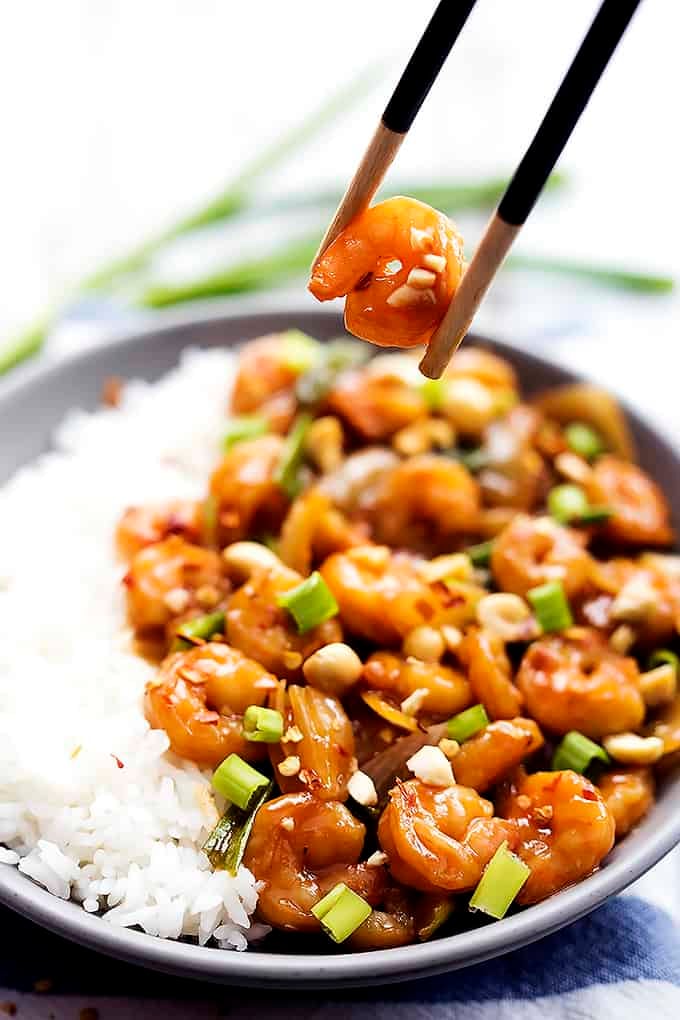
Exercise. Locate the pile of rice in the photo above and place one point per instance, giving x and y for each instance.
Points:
(92, 804)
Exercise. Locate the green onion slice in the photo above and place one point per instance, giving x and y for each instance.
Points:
(238, 781)
(286, 474)
(201, 627)
(578, 753)
(434, 393)
(226, 844)
(464, 725)
(263, 725)
(595, 515)
(664, 657)
(341, 912)
(567, 503)
(584, 440)
(335, 357)
(473, 460)
(298, 350)
(503, 877)
(309, 603)
(246, 426)
(480, 554)
(551, 606)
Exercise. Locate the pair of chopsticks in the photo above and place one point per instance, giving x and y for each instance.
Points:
(527, 183)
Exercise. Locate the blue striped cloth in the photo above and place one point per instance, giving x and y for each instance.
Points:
(622, 962)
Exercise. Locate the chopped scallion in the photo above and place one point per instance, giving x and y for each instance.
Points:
(201, 628)
(298, 350)
(503, 877)
(264, 725)
(341, 912)
(584, 440)
(309, 603)
(237, 781)
(434, 393)
(227, 842)
(464, 725)
(663, 657)
(480, 554)
(287, 470)
(473, 460)
(578, 753)
(567, 503)
(551, 606)
(334, 357)
(246, 426)
(595, 515)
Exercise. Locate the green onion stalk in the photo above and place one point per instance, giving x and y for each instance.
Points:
(227, 842)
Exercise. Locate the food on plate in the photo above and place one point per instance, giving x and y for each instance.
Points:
(336, 650)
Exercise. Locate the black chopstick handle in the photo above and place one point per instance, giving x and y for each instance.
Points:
(426, 63)
(570, 100)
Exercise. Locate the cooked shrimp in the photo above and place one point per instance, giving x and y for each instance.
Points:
(145, 525)
(299, 849)
(374, 405)
(399, 263)
(447, 689)
(514, 473)
(265, 382)
(313, 529)
(247, 497)
(576, 682)
(168, 580)
(532, 551)
(325, 744)
(641, 514)
(425, 503)
(440, 838)
(266, 631)
(199, 696)
(475, 363)
(382, 595)
(490, 674)
(649, 597)
(497, 750)
(628, 794)
(392, 924)
(565, 830)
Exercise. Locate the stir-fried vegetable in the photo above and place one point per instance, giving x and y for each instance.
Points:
(226, 844)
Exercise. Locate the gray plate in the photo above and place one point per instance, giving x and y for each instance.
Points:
(32, 403)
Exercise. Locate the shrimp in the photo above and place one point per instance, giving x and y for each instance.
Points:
(425, 503)
(376, 405)
(532, 551)
(170, 580)
(514, 473)
(382, 595)
(299, 849)
(325, 744)
(565, 830)
(490, 674)
(265, 631)
(440, 839)
(640, 512)
(248, 499)
(628, 794)
(497, 750)
(393, 924)
(145, 525)
(475, 363)
(265, 382)
(399, 263)
(575, 681)
(199, 696)
(649, 597)
(447, 689)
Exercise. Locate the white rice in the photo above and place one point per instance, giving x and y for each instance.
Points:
(123, 840)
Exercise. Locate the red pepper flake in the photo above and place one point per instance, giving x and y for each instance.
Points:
(310, 778)
(112, 391)
(588, 794)
(127, 579)
(118, 761)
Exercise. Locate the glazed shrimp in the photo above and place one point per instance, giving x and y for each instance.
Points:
(374, 405)
(265, 631)
(565, 830)
(628, 794)
(643, 594)
(145, 525)
(382, 595)
(640, 512)
(497, 750)
(447, 689)
(392, 924)
(532, 551)
(265, 382)
(399, 263)
(299, 849)
(425, 503)
(247, 498)
(199, 696)
(576, 682)
(170, 580)
(490, 674)
(440, 839)
(475, 363)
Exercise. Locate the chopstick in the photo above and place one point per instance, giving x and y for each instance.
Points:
(415, 83)
(527, 183)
